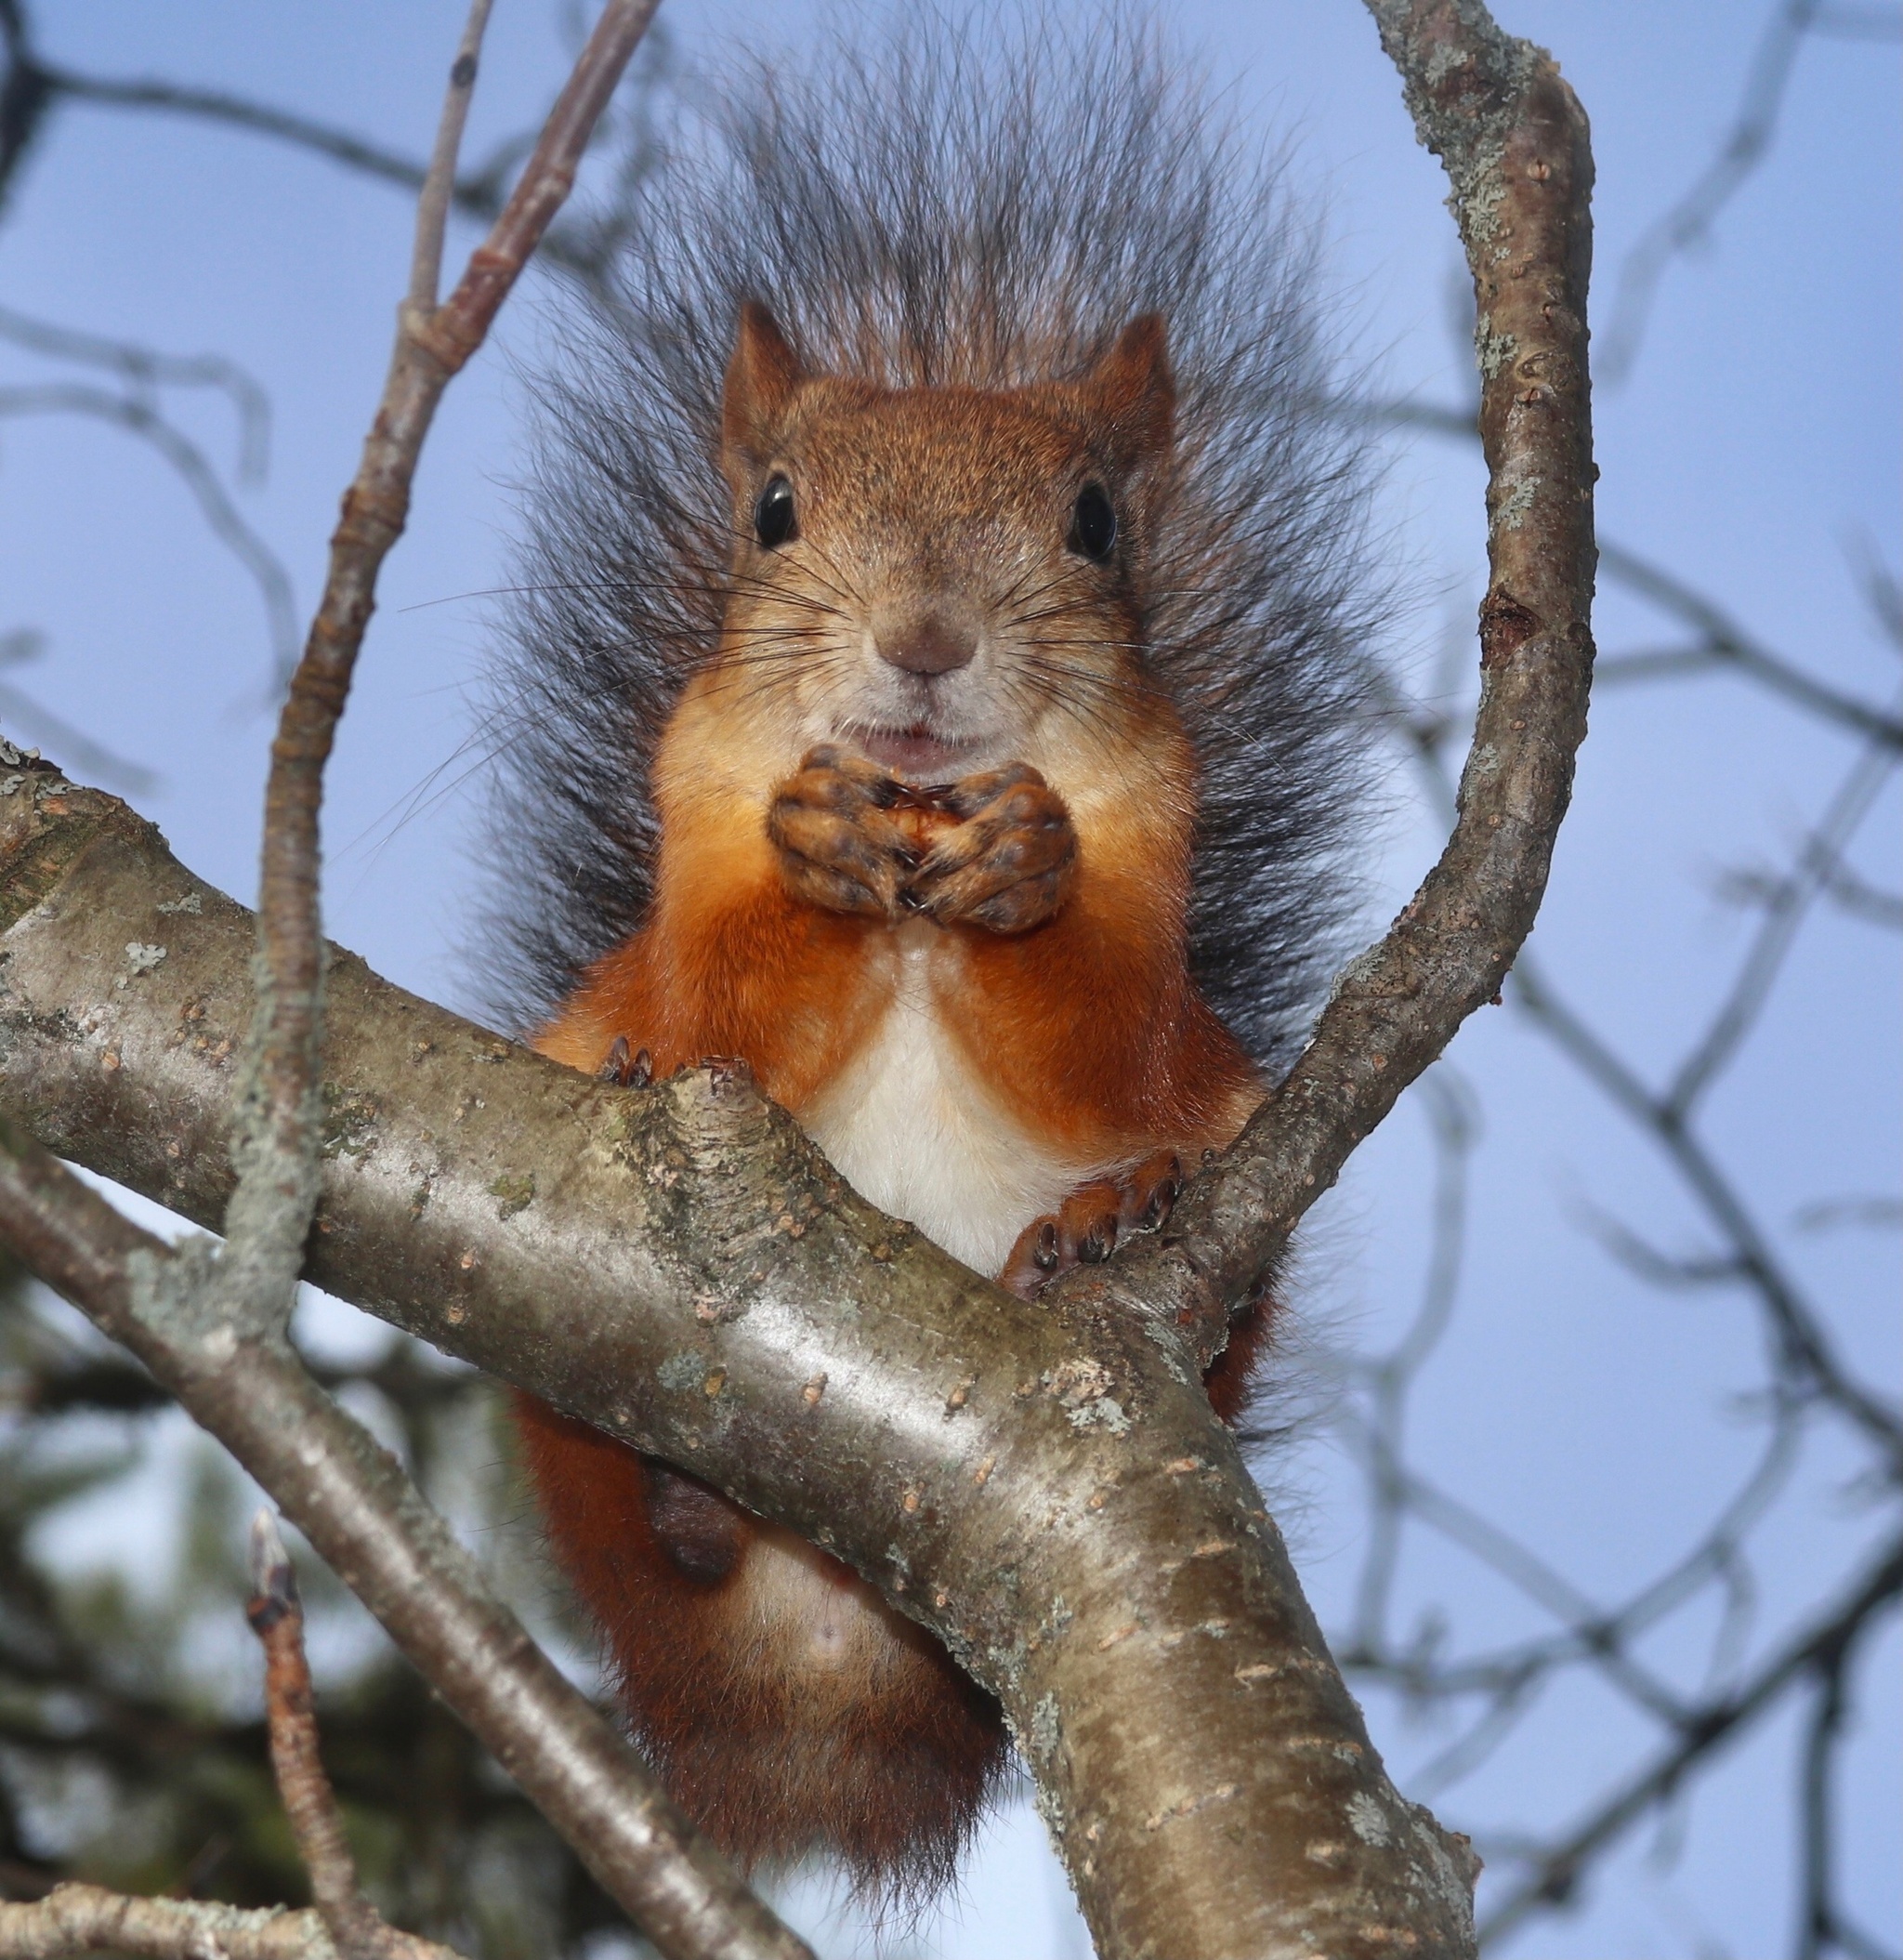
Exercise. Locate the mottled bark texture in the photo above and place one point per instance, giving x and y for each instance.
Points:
(1046, 1490)
(1514, 140)
(1042, 1485)
(352, 1498)
(80, 1919)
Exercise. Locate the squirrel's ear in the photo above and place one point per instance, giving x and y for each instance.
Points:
(1132, 395)
(760, 380)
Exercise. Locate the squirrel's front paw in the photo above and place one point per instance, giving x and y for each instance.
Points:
(1011, 860)
(839, 846)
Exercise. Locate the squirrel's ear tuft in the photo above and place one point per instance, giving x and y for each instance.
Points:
(760, 380)
(1132, 395)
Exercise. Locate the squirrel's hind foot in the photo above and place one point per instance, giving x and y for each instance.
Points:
(1085, 1231)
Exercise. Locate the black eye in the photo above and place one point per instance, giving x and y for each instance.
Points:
(773, 520)
(1093, 523)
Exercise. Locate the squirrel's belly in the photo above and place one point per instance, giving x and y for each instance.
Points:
(915, 1130)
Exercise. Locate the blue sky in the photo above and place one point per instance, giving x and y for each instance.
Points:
(1752, 450)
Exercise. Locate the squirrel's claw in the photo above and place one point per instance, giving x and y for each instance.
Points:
(627, 1072)
(1010, 862)
(1085, 1231)
(854, 838)
(839, 847)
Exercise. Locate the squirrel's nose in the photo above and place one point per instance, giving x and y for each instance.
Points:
(930, 645)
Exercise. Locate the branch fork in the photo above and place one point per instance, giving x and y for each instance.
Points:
(1208, 1779)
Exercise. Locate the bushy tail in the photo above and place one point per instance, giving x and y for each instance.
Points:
(936, 208)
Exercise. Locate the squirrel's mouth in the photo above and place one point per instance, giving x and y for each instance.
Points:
(914, 752)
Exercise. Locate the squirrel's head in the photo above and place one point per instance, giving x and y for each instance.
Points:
(946, 578)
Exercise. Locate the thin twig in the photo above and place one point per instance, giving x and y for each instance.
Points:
(1386, 1380)
(1727, 643)
(1799, 1330)
(1558, 1868)
(1509, 1681)
(1746, 145)
(20, 708)
(79, 1919)
(188, 462)
(276, 1151)
(276, 1614)
(439, 182)
(1784, 911)
(1807, 1374)
(1862, 899)
(1722, 643)
(145, 367)
(575, 248)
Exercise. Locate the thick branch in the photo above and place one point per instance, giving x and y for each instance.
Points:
(1047, 1491)
(1514, 140)
(354, 1505)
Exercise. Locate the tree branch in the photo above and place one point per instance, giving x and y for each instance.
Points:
(354, 1505)
(187, 461)
(440, 180)
(1878, 1588)
(1514, 144)
(276, 1614)
(73, 1920)
(1047, 1491)
(144, 367)
(276, 1148)
(1725, 643)
(197, 1312)
(77, 1919)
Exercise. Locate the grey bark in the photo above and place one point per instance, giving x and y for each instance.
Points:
(1045, 1488)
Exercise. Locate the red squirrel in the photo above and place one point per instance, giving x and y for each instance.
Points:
(889, 767)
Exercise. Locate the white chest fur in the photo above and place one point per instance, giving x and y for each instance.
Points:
(914, 1128)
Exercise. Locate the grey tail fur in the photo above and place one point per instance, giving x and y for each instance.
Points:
(935, 208)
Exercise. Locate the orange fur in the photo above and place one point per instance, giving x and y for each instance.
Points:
(787, 1706)
(729, 964)
(772, 1759)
